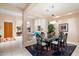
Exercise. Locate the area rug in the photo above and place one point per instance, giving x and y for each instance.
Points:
(36, 52)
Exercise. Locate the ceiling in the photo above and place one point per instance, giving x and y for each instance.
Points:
(40, 9)
(21, 6)
(13, 8)
(56, 9)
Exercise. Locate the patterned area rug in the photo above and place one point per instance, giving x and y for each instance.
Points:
(66, 52)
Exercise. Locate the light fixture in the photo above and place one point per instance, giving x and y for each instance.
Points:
(52, 22)
(50, 7)
(52, 14)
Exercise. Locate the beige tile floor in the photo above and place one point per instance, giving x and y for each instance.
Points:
(14, 48)
(76, 51)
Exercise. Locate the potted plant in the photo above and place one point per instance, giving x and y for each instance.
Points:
(51, 30)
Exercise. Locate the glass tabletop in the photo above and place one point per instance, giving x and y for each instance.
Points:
(51, 39)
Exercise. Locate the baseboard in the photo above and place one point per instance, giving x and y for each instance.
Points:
(76, 43)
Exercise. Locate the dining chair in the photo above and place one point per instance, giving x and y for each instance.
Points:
(41, 44)
(64, 41)
(57, 43)
(61, 44)
(57, 40)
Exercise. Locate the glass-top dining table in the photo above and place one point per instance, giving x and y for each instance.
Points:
(48, 41)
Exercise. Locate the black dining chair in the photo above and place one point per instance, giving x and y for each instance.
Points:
(57, 41)
(61, 43)
(64, 41)
(56, 45)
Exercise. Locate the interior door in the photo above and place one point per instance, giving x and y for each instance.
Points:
(8, 32)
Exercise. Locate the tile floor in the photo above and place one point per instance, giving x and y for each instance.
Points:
(14, 48)
(76, 51)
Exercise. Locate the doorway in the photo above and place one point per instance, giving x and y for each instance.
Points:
(8, 32)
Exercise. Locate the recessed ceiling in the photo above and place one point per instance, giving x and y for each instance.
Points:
(43, 9)
(49, 9)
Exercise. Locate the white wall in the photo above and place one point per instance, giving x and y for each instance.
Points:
(34, 22)
(43, 23)
(73, 27)
(18, 20)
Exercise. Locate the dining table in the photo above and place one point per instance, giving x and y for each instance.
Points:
(48, 41)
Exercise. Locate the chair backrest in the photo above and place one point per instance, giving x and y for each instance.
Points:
(65, 37)
(61, 36)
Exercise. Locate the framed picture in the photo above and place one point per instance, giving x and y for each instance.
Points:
(63, 27)
(29, 29)
(39, 28)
